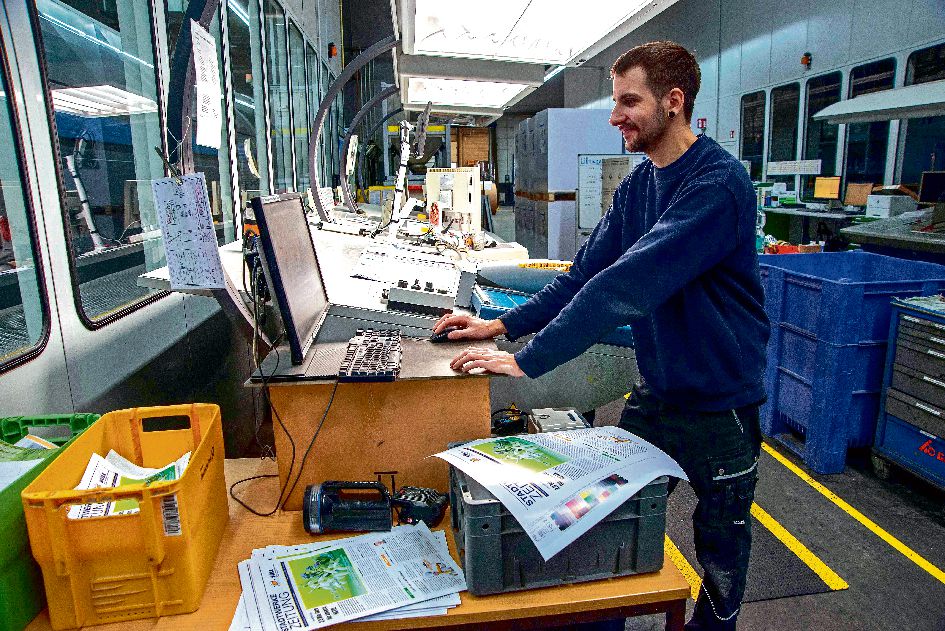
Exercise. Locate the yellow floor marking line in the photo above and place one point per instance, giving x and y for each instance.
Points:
(692, 577)
(828, 576)
(905, 550)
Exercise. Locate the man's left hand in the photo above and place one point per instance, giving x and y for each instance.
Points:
(497, 362)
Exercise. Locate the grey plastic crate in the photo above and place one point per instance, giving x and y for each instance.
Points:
(499, 557)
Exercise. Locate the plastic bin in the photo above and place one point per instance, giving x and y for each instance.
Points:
(499, 557)
(830, 324)
(843, 297)
(152, 563)
(21, 584)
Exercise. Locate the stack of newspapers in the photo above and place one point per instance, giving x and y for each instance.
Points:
(406, 572)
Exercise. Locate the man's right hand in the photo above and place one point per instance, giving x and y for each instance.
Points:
(470, 327)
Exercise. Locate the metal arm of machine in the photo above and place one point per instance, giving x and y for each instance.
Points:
(355, 123)
(349, 70)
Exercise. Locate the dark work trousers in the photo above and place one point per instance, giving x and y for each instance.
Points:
(719, 452)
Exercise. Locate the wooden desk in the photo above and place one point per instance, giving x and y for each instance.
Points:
(381, 426)
(665, 591)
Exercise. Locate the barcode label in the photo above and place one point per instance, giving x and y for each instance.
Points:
(171, 516)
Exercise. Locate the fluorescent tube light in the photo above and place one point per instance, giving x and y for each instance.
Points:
(461, 92)
(101, 100)
(238, 11)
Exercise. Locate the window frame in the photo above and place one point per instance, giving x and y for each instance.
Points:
(291, 23)
(764, 128)
(40, 48)
(770, 136)
(843, 163)
(902, 133)
(32, 352)
(807, 118)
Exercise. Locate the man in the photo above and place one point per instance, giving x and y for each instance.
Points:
(675, 258)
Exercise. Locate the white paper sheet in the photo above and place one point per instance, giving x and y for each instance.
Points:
(207, 86)
(190, 241)
(560, 484)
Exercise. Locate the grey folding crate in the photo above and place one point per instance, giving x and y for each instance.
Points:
(499, 557)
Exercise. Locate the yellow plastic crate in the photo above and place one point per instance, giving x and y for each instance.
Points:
(124, 567)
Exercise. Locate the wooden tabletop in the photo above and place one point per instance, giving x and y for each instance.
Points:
(247, 532)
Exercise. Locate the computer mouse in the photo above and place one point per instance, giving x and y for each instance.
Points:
(436, 338)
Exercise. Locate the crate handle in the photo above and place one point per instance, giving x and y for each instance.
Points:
(188, 410)
(928, 409)
(940, 384)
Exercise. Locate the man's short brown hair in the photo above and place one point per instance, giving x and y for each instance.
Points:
(667, 65)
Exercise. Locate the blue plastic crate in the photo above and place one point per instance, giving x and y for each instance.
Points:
(491, 302)
(842, 297)
(830, 324)
(828, 394)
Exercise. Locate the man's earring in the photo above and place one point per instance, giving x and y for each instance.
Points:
(672, 114)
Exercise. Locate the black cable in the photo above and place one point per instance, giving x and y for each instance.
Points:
(291, 442)
(312, 442)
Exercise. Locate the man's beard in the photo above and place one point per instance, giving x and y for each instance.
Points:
(651, 135)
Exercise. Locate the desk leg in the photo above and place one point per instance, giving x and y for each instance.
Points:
(676, 615)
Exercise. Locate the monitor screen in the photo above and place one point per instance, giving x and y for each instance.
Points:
(827, 187)
(932, 190)
(291, 266)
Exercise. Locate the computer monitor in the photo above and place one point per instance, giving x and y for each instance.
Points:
(827, 187)
(932, 189)
(291, 267)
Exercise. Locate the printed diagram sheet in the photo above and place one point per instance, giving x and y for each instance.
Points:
(560, 484)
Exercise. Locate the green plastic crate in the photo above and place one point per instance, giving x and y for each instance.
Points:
(22, 595)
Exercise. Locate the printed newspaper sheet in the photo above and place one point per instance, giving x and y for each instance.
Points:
(315, 585)
(560, 484)
(112, 471)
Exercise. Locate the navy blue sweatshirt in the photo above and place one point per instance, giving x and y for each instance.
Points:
(675, 258)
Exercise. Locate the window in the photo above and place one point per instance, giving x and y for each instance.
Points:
(102, 93)
(820, 139)
(315, 96)
(332, 133)
(23, 310)
(753, 132)
(299, 106)
(867, 142)
(923, 139)
(783, 138)
(280, 114)
(249, 112)
(212, 162)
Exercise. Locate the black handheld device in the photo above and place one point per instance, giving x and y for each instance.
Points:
(335, 506)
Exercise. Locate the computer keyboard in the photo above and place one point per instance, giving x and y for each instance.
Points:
(372, 356)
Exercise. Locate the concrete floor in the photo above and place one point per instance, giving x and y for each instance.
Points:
(887, 590)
